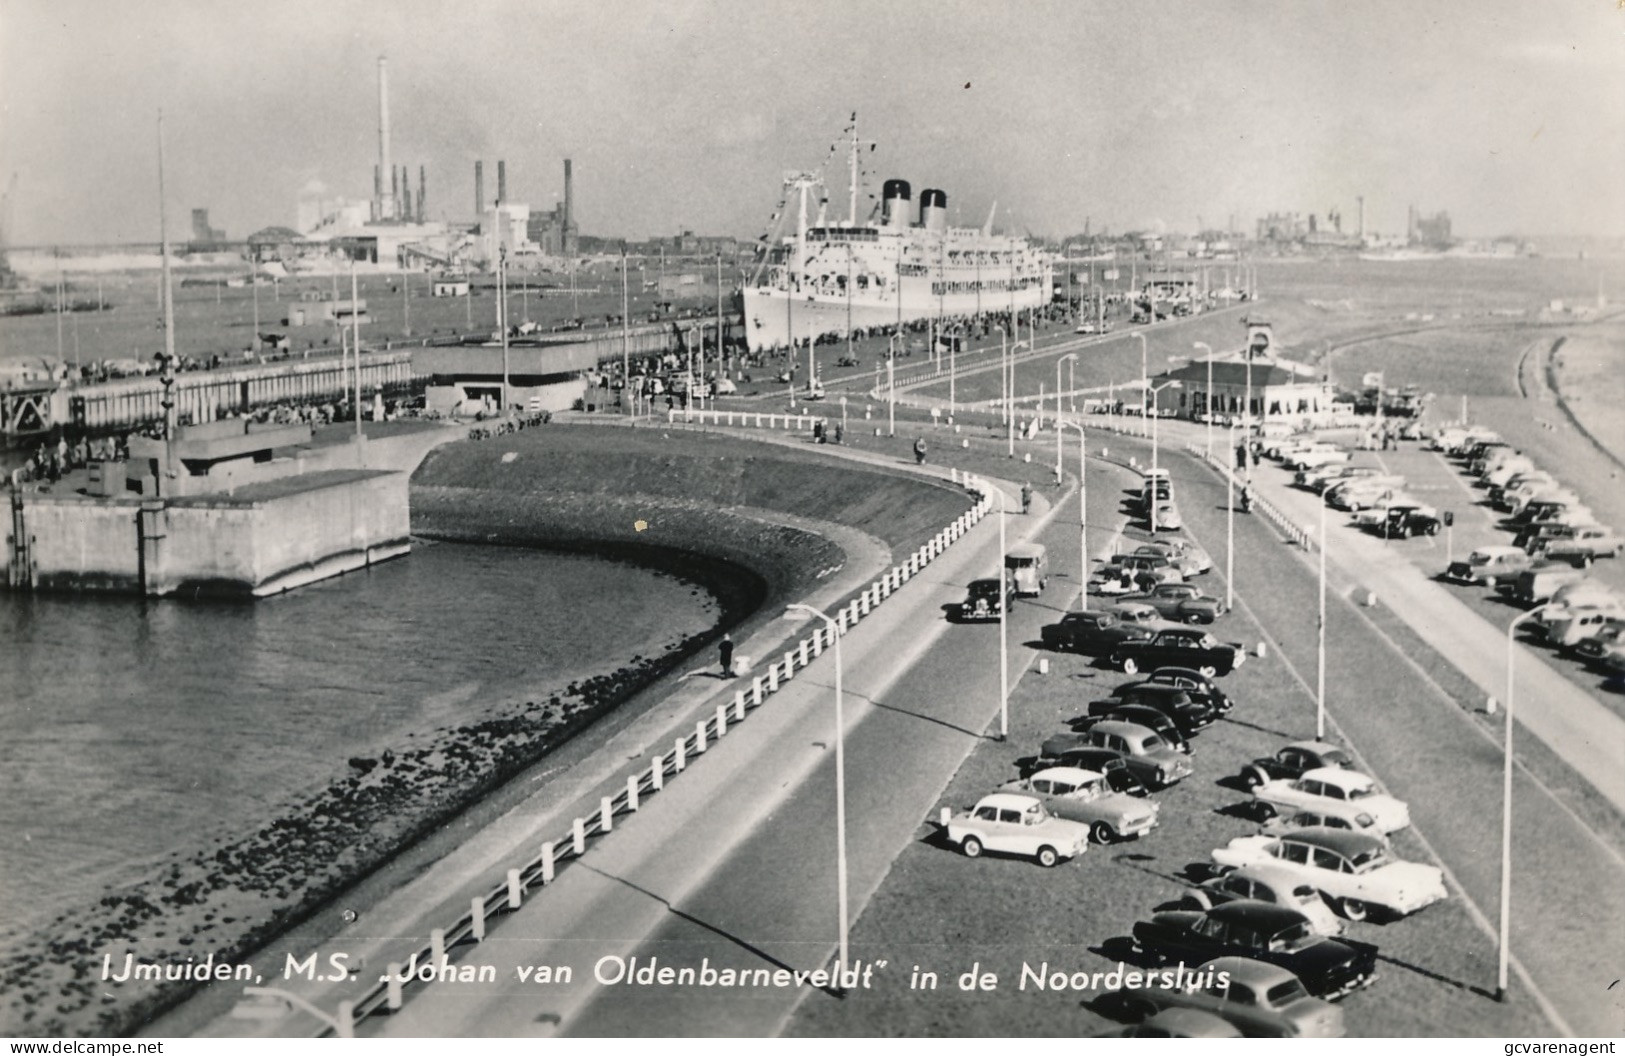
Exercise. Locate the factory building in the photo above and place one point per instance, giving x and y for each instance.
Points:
(555, 232)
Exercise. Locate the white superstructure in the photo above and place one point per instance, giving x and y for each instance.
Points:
(828, 278)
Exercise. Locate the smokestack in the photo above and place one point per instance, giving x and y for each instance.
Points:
(423, 191)
(384, 163)
(502, 183)
(1361, 201)
(479, 191)
(394, 192)
(569, 205)
(406, 198)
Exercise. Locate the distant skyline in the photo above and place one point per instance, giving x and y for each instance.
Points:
(686, 115)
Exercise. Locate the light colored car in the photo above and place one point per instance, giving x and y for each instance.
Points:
(1016, 824)
(1498, 473)
(1584, 544)
(1586, 594)
(1331, 815)
(1190, 559)
(1332, 785)
(1266, 883)
(1167, 517)
(1358, 874)
(1364, 493)
(1579, 624)
(1376, 516)
(1320, 454)
(1084, 796)
(1262, 1000)
(1489, 565)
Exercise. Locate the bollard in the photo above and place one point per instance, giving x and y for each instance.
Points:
(953, 474)
(516, 892)
(578, 836)
(680, 756)
(964, 443)
(947, 815)
(606, 814)
(476, 913)
(1490, 705)
(1260, 651)
(1043, 662)
(657, 774)
(393, 974)
(344, 1025)
(1370, 598)
(632, 792)
(739, 706)
(547, 862)
(437, 945)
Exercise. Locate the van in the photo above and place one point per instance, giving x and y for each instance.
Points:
(1027, 569)
(1535, 585)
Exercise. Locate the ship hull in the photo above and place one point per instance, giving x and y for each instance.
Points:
(772, 316)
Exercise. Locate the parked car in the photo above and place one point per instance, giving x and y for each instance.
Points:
(1364, 493)
(1318, 455)
(1331, 815)
(1190, 559)
(1329, 968)
(1139, 714)
(1540, 582)
(1577, 625)
(1180, 603)
(1262, 1000)
(1147, 754)
(1533, 538)
(1104, 761)
(1187, 713)
(1085, 796)
(982, 601)
(1583, 544)
(1098, 630)
(1181, 647)
(1332, 476)
(1294, 760)
(1177, 1023)
(1597, 644)
(1266, 883)
(1124, 573)
(1323, 786)
(1406, 519)
(1358, 874)
(1506, 496)
(1014, 824)
(1167, 518)
(1489, 565)
(1497, 474)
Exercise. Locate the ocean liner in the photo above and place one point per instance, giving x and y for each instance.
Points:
(827, 278)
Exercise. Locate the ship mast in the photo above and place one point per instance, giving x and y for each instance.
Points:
(852, 160)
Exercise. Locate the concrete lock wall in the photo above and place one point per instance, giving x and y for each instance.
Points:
(75, 545)
(325, 531)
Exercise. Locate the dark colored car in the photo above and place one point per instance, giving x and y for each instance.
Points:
(1329, 968)
(982, 601)
(1295, 760)
(1095, 631)
(1202, 689)
(1182, 647)
(1180, 603)
(1189, 714)
(1117, 711)
(1404, 521)
(1119, 778)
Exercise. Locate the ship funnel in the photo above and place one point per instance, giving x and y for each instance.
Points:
(898, 206)
(934, 210)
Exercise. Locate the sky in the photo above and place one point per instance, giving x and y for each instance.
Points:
(687, 114)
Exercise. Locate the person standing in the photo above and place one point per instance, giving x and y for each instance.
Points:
(1026, 497)
(726, 649)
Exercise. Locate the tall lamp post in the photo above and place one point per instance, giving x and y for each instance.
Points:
(1502, 950)
(1320, 647)
(840, 783)
(1145, 379)
(1004, 639)
(1151, 502)
(1070, 356)
(953, 342)
(1083, 514)
(1207, 397)
(1230, 528)
(1005, 377)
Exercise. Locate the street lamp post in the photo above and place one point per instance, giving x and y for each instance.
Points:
(1005, 378)
(1502, 950)
(892, 348)
(1004, 638)
(1207, 397)
(840, 786)
(1070, 356)
(1151, 500)
(1320, 648)
(1145, 379)
(1083, 514)
(1230, 528)
(953, 342)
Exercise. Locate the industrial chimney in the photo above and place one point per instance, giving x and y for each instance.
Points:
(569, 206)
(423, 190)
(502, 183)
(934, 210)
(386, 207)
(479, 191)
(898, 203)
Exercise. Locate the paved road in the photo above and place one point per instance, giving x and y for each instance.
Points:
(734, 865)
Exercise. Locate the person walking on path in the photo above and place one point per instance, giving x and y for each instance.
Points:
(726, 649)
(1026, 497)
(919, 451)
